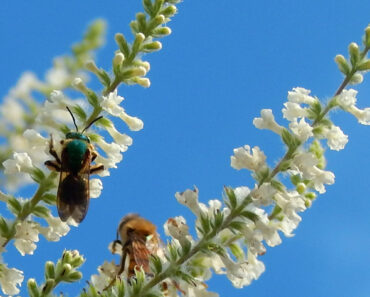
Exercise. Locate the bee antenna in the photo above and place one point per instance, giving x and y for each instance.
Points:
(73, 118)
(92, 122)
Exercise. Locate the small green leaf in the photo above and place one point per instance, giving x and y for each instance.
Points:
(41, 211)
(231, 195)
(93, 99)
(141, 21)
(250, 215)
(37, 175)
(237, 251)
(78, 110)
(104, 77)
(49, 198)
(237, 225)
(156, 263)
(14, 205)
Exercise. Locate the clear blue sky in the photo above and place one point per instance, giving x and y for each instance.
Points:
(224, 62)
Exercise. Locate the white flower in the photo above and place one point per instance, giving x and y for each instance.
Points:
(189, 198)
(336, 138)
(12, 111)
(107, 272)
(290, 203)
(293, 111)
(347, 98)
(111, 105)
(300, 95)
(10, 278)
(301, 129)
(268, 230)
(37, 146)
(134, 123)
(55, 230)
(303, 163)
(241, 193)
(263, 195)
(122, 139)
(267, 121)
(196, 291)
(21, 163)
(96, 186)
(24, 86)
(26, 234)
(243, 158)
(363, 115)
(243, 273)
(253, 238)
(321, 177)
(177, 228)
(57, 77)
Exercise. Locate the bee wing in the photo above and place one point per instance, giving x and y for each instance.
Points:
(73, 191)
(140, 252)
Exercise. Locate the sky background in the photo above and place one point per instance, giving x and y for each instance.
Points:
(224, 62)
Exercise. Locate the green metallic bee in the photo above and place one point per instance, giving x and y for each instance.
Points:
(75, 168)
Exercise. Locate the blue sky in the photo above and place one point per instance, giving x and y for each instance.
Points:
(224, 62)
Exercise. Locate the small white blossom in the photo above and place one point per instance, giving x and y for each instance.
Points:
(96, 187)
(300, 95)
(177, 228)
(26, 235)
(10, 279)
(107, 272)
(321, 177)
(55, 230)
(189, 198)
(336, 138)
(21, 163)
(347, 98)
(25, 85)
(290, 203)
(293, 111)
(37, 146)
(243, 273)
(12, 111)
(111, 105)
(241, 193)
(253, 238)
(362, 115)
(263, 194)
(57, 77)
(268, 229)
(122, 139)
(301, 129)
(196, 291)
(244, 158)
(267, 121)
(303, 163)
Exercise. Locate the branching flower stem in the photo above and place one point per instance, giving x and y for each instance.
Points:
(44, 186)
(203, 242)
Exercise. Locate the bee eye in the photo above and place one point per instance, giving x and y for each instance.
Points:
(130, 230)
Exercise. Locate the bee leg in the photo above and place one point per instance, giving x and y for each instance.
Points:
(53, 165)
(94, 169)
(52, 150)
(94, 154)
(121, 268)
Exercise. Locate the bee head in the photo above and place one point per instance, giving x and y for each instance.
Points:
(77, 135)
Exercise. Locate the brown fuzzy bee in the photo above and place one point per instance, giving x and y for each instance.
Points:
(75, 168)
(139, 240)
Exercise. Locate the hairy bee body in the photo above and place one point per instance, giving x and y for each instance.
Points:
(139, 240)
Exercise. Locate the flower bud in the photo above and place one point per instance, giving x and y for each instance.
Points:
(152, 46)
(91, 66)
(118, 59)
(301, 188)
(354, 53)
(33, 290)
(142, 81)
(169, 11)
(48, 287)
(367, 36)
(342, 64)
(79, 85)
(49, 270)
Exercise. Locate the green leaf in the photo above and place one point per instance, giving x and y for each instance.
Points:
(14, 205)
(78, 110)
(104, 77)
(4, 228)
(231, 195)
(49, 198)
(148, 7)
(41, 211)
(37, 175)
(237, 225)
(93, 99)
(156, 263)
(278, 185)
(250, 215)
(141, 21)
